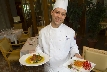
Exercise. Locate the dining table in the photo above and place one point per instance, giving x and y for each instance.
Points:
(12, 35)
(29, 45)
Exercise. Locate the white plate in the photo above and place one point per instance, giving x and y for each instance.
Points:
(24, 57)
(74, 69)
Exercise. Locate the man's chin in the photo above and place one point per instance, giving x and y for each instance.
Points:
(57, 23)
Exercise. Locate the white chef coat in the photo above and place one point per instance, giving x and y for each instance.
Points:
(59, 44)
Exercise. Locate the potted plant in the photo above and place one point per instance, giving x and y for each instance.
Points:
(95, 13)
(74, 15)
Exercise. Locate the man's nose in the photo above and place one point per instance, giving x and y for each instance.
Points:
(59, 15)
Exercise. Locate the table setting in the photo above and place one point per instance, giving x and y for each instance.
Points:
(11, 34)
(30, 44)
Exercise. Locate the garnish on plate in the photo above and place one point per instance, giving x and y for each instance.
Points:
(70, 66)
(87, 65)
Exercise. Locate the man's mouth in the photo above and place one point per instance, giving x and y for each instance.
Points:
(57, 20)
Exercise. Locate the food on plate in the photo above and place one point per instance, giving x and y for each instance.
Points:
(34, 59)
(78, 63)
(87, 65)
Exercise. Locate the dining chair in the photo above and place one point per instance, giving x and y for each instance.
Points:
(18, 26)
(99, 57)
(10, 55)
(25, 35)
(39, 28)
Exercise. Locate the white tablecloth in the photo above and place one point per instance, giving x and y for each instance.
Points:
(13, 35)
(29, 45)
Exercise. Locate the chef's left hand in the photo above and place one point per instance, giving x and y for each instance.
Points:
(78, 56)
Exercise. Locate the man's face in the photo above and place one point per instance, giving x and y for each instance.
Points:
(58, 15)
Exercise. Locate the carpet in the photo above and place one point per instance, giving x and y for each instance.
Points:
(16, 67)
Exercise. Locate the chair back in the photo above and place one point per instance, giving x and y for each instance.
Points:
(5, 47)
(29, 32)
(7, 52)
(39, 28)
(18, 26)
(99, 57)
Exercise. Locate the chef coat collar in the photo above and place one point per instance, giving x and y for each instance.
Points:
(56, 28)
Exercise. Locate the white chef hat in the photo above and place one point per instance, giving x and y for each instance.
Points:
(61, 4)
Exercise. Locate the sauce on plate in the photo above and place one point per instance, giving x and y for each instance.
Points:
(28, 60)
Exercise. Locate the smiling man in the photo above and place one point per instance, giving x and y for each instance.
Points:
(58, 16)
(57, 40)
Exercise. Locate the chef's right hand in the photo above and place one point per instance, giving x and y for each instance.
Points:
(32, 51)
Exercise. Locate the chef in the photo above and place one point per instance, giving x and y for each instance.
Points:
(57, 40)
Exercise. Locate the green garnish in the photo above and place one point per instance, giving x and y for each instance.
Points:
(70, 66)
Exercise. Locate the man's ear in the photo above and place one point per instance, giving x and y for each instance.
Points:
(52, 12)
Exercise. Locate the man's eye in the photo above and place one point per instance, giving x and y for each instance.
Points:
(57, 12)
(63, 14)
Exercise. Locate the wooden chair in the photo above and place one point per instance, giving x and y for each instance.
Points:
(31, 31)
(39, 28)
(25, 35)
(99, 57)
(18, 26)
(8, 53)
